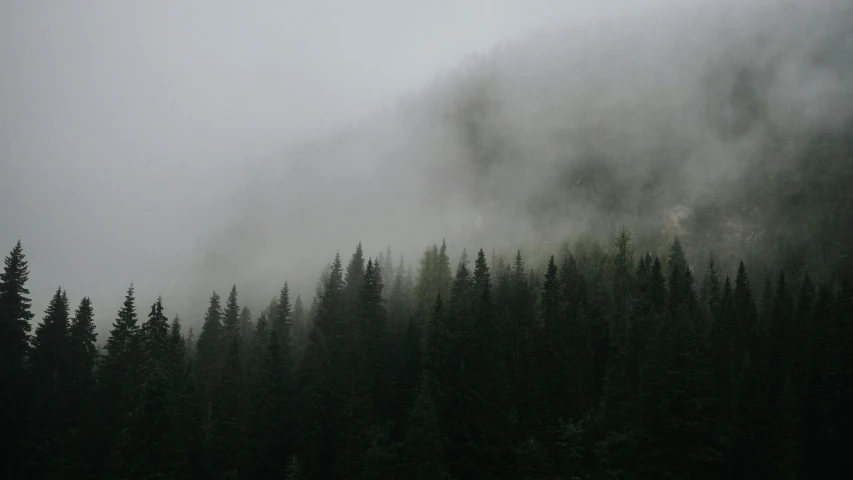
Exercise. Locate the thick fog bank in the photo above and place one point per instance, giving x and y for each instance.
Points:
(727, 123)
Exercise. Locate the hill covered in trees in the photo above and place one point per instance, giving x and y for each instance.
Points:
(606, 362)
(725, 123)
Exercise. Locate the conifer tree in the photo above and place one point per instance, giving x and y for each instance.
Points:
(374, 325)
(781, 334)
(210, 348)
(745, 316)
(177, 350)
(50, 376)
(330, 312)
(231, 317)
(83, 353)
(50, 342)
(682, 297)
(422, 444)
(315, 433)
(283, 325)
(270, 409)
(299, 330)
(116, 379)
(711, 293)
(15, 326)
(260, 344)
(246, 333)
(15, 316)
(227, 411)
(149, 445)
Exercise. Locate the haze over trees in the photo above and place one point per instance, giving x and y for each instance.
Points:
(644, 273)
(605, 362)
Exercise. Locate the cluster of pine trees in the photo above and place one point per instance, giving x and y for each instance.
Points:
(599, 366)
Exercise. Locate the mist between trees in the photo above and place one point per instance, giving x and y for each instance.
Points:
(603, 363)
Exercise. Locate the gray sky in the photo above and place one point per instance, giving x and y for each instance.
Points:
(120, 120)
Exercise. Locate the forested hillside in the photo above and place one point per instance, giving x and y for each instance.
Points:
(606, 362)
(726, 123)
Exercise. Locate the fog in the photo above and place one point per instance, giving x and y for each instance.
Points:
(186, 146)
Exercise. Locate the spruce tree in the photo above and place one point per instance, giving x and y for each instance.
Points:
(50, 342)
(283, 325)
(177, 350)
(746, 316)
(269, 413)
(83, 354)
(246, 332)
(300, 327)
(210, 348)
(260, 343)
(149, 444)
(15, 326)
(231, 317)
(227, 449)
(781, 334)
(710, 293)
(422, 443)
(314, 429)
(116, 378)
(49, 373)
(15, 316)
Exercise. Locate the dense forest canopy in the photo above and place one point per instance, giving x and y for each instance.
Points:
(606, 362)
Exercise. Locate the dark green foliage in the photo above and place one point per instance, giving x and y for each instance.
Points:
(231, 316)
(294, 468)
(246, 333)
(422, 444)
(603, 367)
(227, 448)
(210, 348)
(283, 326)
(51, 377)
(15, 326)
(270, 413)
(82, 354)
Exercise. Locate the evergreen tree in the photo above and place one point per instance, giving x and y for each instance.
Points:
(710, 293)
(283, 325)
(374, 325)
(260, 343)
(246, 333)
(270, 409)
(83, 354)
(300, 329)
(746, 316)
(15, 326)
(781, 334)
(177, 350)
(314, 429)
(116, 378)
(151, 443)
(210, 348)
(231, 317)
(49, 373)
(422, 444)
(227, 449)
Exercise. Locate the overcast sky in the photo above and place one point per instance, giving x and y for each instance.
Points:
(121, 120)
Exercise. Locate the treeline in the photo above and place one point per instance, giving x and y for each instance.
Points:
(603, 365)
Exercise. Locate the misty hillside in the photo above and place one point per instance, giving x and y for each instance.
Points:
(617, 249)
(723, 125)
